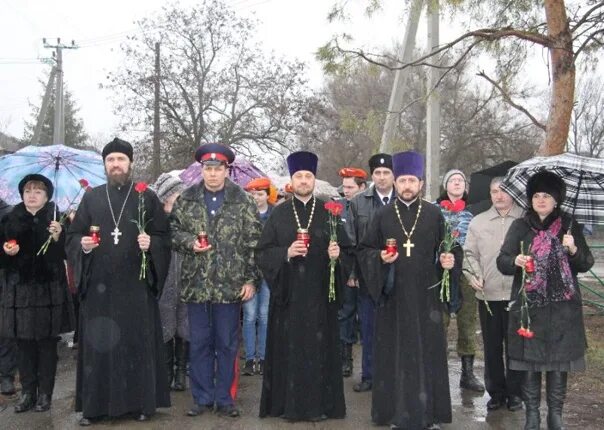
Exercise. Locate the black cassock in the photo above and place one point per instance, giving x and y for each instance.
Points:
(302, 374)
(120, 356)
(410, 379)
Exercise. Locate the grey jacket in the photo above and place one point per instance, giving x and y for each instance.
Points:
(486, 234)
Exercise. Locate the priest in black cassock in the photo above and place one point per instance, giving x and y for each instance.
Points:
(120, 368)
(410, 379)
(302, 374)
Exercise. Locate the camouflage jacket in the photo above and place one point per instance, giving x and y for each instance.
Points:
(217, 275)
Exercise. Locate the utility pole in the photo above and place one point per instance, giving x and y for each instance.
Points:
(59, 120)
(399, 87)
(433, 108)
(44, 108)
(156, 145)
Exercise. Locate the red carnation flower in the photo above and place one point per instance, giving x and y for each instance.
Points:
(11, 243)
(529, 334)
(84, 183)
(334, 208)
(455, 233)
(521, 331)
(458, 206)
(446, 205)
(140, 187)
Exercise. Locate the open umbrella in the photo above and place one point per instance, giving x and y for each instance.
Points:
(584, 178)
(479, 197)
(241, 172)
(64, 166)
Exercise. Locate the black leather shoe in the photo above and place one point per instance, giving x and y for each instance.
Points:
(142, 418)
(318, 419)
(363, 386)
(495, 403)
(229, 411)
(7, 386)
(27, 402)
(248, 369)
(43, 403)
(514, 403)
(85, 422)
(199, 409)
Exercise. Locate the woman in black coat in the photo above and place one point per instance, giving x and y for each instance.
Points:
(35, 308)
(546, 331)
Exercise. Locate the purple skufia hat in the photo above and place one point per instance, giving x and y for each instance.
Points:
(302, 160)
(408, 163)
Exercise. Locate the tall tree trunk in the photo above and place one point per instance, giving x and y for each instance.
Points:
(563, 79)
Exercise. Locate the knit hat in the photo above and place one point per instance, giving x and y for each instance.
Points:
(167, 185)
(451, 173)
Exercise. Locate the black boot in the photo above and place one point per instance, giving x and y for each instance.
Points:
(27, 402)
(555, 387)
(346, 360)
(7, 385)
(468, 379)
(531, 394)
(182, 355)
(169, 356)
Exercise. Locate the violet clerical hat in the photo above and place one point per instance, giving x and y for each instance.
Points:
(408, 163)
(302, 160)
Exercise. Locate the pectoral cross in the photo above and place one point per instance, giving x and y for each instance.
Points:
(408, 245)
(116, 235)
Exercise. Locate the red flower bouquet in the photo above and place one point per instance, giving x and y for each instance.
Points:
(140, 222)
(335, 211)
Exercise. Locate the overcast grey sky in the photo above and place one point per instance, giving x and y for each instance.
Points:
(292, 28)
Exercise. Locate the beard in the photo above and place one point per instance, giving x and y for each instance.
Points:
(118, 179)
(408, 195)
(303, 191)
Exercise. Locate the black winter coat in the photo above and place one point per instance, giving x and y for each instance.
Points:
(34, 301)
(558, 326)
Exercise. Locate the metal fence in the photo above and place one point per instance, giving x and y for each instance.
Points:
(595, 289)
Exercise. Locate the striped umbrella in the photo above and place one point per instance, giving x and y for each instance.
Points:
(584, 178)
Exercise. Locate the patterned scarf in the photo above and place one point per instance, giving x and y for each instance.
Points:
(552, 280)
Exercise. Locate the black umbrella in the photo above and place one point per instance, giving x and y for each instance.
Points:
(479, 198)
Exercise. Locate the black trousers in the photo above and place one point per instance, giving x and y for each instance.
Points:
(37, 361)
(8, 357)
(500, 381)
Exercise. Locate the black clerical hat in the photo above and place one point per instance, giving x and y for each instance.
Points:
(213, 154)
(36, 177)
(380, 160)
(118, 145)
(302, 160)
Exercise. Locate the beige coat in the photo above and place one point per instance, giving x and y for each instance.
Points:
(486, 233)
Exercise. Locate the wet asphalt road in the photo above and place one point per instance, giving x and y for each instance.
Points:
(469, 410)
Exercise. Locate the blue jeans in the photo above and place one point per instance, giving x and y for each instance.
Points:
(255, 311)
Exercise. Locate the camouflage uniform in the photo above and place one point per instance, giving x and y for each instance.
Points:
(216, 276)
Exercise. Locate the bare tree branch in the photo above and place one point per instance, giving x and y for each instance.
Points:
(509, 101)
(586, 16)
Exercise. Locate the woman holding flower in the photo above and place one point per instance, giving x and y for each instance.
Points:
(35, 304)
(544, 251)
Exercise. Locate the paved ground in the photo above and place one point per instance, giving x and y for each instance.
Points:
(468, 410)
